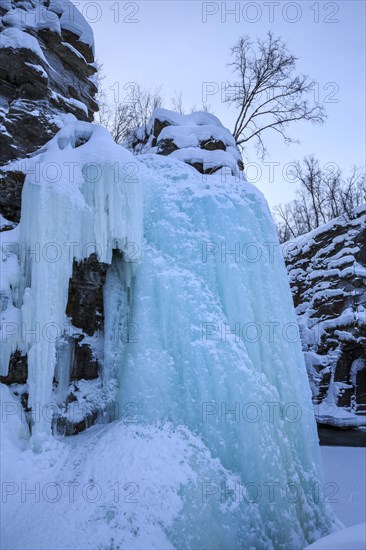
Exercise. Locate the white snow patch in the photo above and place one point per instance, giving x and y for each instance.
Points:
(352, 538)
(17, 39)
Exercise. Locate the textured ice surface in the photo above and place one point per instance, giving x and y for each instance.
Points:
(186, 368)
(78, 199)
(217, 428)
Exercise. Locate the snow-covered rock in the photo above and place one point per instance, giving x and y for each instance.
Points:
(198, 139)
(327, 271)
(46, 71)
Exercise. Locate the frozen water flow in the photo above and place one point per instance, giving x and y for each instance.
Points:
(201, 337)
(77, 200)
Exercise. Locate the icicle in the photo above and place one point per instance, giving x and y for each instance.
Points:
(64, 357)
(116, 317)
(80, 199)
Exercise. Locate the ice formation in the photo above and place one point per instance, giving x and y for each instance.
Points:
(218, 349)
(78, 199)
(214, 380)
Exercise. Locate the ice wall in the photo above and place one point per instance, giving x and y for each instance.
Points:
(218, 351)
(79, 198)
(214, 356)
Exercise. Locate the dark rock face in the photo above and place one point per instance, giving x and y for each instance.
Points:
(18, 370)
(85, 305)
(46, 71)
(166, 147)
(86, 309)
(213, 145)
(327, 270)
(84, 366)
(11, 185)
(159, 125)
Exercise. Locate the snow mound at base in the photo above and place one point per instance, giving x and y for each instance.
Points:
(14, 429)
(131, 483)
(352, 538)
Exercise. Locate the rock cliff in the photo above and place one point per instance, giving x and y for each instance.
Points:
(47, 70)
(327, 270)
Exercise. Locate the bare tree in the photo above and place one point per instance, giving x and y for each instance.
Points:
(353, 192)
(103, 114)
(128, 118)
(177, 103)
(323, 194)
(269, 94)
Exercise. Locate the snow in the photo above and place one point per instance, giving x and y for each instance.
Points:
(327, 412)
(72, 20)
(71, 101)
(5, 223)
(177, 119)
(209, 159)
(188, 136)
(57, 16)
(14, 429)
(75, 52)
(37, 19)
(39, 69)
(140, 499)
(126, 486)
(345, 472)
(17, 39)
(353, 538)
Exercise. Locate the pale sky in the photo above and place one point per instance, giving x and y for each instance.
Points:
(181, 45)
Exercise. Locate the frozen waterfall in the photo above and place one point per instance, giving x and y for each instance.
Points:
(212, 366)
(79, 198)
(218, 351)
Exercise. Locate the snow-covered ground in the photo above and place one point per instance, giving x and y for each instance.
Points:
(120, 487)
(345, 471)
(352, 538)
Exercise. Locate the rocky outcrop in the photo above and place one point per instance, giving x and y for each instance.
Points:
(47, 70)
(327, 271)
(198, 139)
